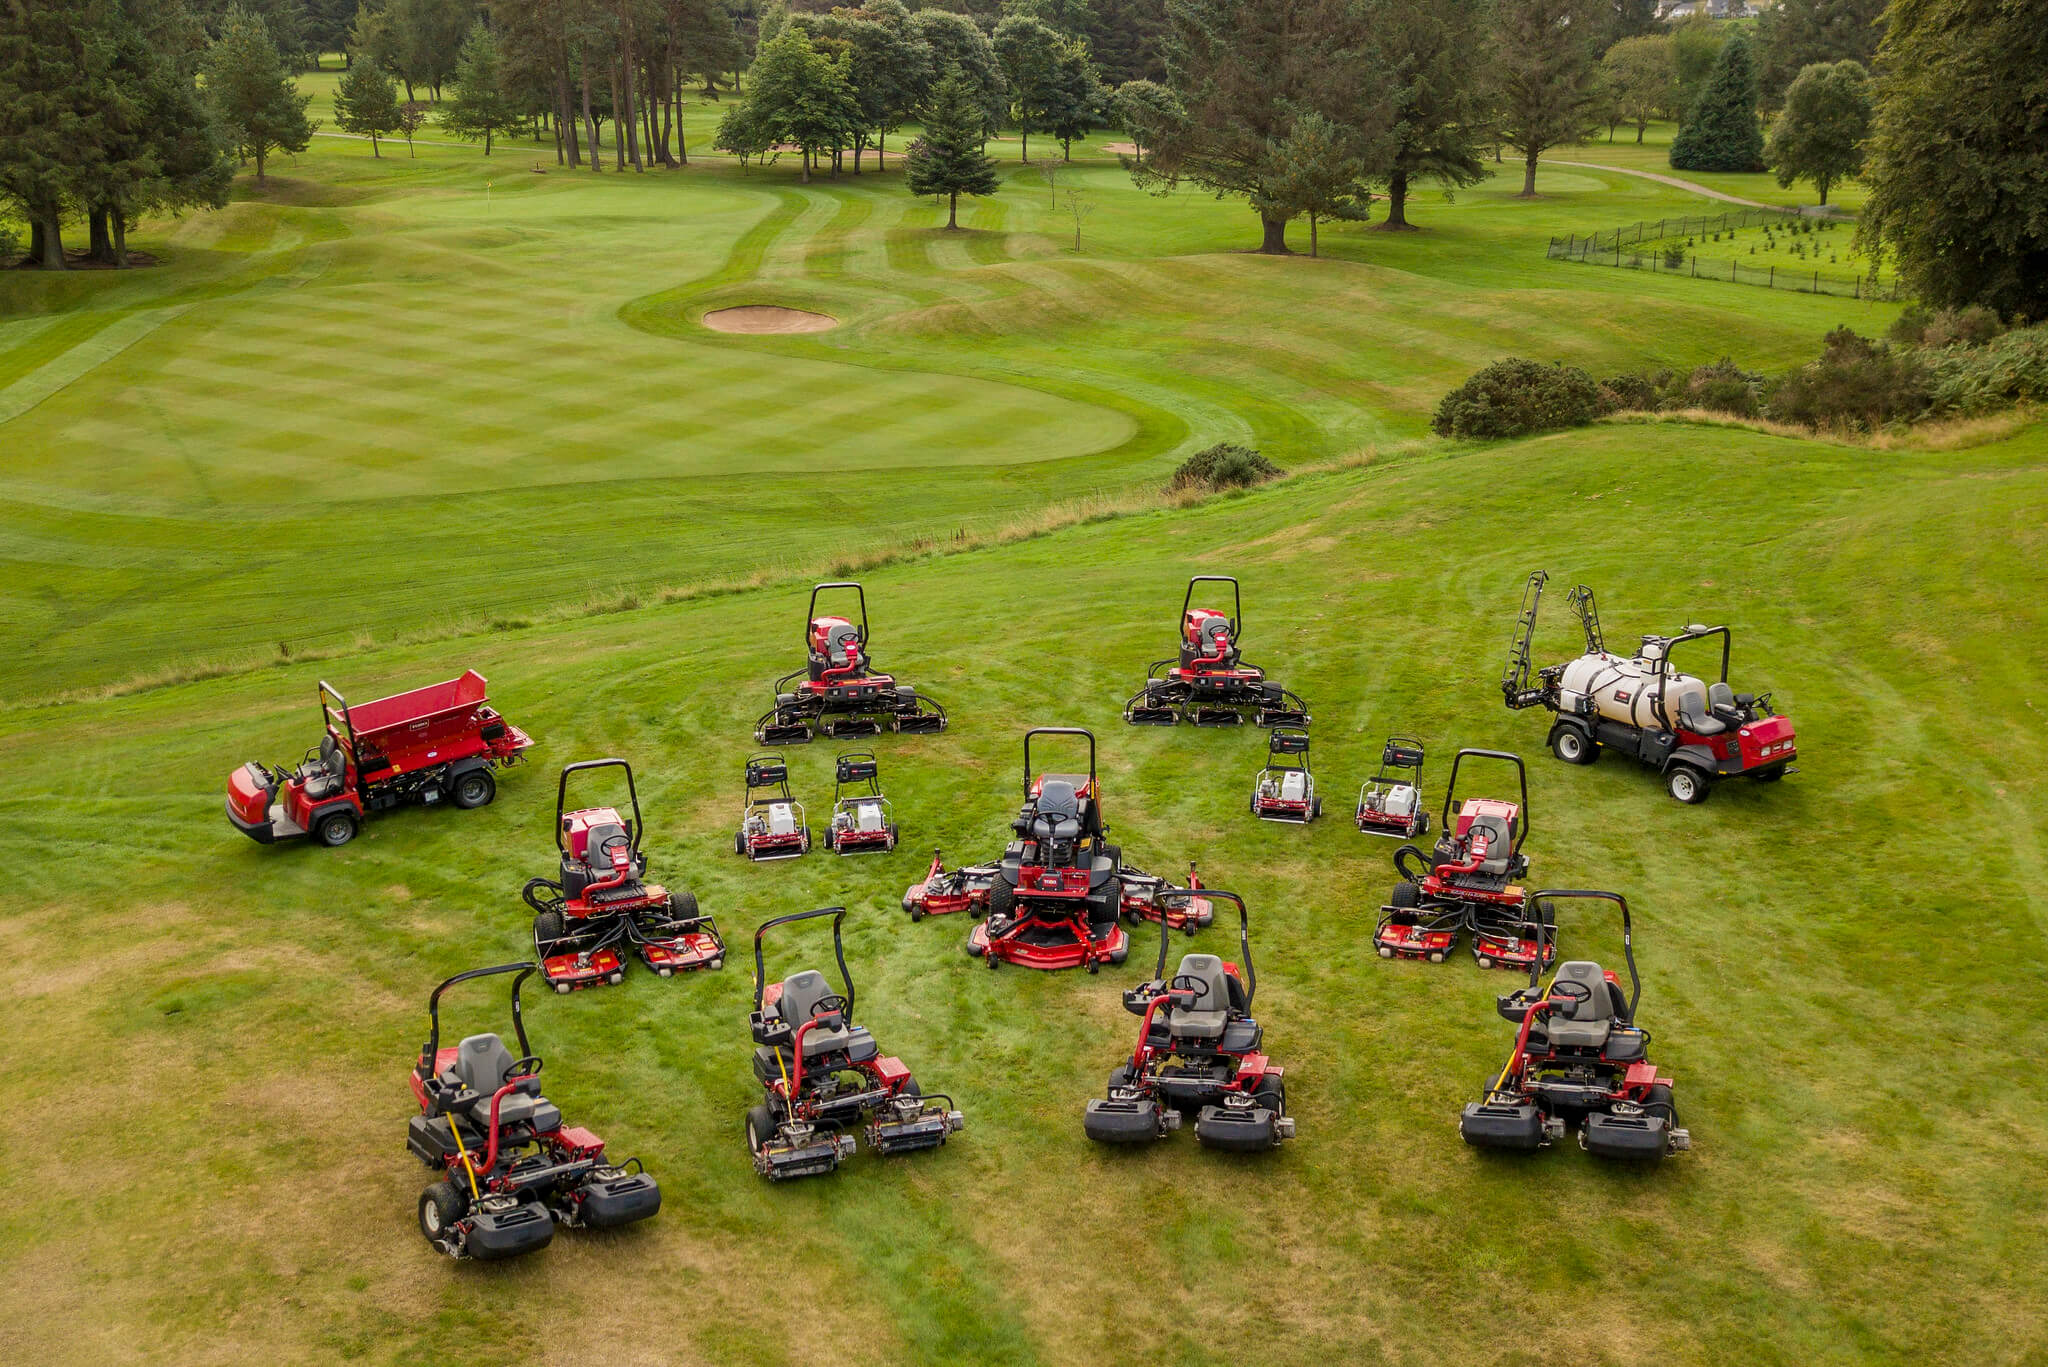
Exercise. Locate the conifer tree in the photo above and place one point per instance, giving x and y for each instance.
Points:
(482, 107)
(248, 87)
(1721, 132)
(948, 159)
(366, 102)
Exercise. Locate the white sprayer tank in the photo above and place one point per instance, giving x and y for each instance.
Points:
(1626, 690)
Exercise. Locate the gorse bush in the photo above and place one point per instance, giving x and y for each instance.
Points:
(1722, 387)
(1632, 392)
(1224, 466)
(1972, 326)
(1515, 396)
(1857, 385)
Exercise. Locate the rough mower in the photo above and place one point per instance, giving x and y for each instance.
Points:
(1693, 732)
(1198, 1053)
(510, 1170)
(1285, 790)
(583, 924)
(1390, 802)
(441, 741)
(1467, 883)
(1210, 684)
(772, 821)
(825, 1077)
(1580, 1060)
(837, 693)
(862, 819)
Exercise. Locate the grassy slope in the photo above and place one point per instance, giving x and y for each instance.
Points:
(219, 1029)
(378, 364)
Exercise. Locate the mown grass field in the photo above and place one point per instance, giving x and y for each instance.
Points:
(386, 406)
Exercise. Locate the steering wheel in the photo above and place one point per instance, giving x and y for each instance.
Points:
(612, 842)
(1575, 993)
(1187, 982)
(831, 1004)
(526, 1067)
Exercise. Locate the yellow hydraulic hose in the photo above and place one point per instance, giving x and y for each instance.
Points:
(456, 1130)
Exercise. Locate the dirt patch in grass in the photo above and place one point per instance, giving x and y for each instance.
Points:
(767, 319)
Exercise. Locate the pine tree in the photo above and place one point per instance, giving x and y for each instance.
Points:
(1543, 57)
(366, 102)
(254, 97)
(948, 159)
(481, 107)
(1434, 52)
(1721, 132)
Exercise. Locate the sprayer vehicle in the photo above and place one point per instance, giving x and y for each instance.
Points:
(838, 692)
(439, 742)
(1693, 732)
(1580, 1061)
(1210, 683)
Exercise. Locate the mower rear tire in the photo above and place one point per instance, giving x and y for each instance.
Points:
(739, 842)
(1687, 784)
(548, 928)
(1002, 901)
(474, 789)
(1407, 896)
(682, 905)
(760, 1128)
(891, 844)
(1573, 746)
(335, 829)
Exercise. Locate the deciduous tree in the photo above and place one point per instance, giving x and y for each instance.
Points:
(1642, 79)
(1141, 106)
(959, 46)
(1029, 50)
(1819, 134)
(1794, 34)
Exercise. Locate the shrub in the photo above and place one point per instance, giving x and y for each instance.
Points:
(1857, 384)
(2008, 370)
(10, 246)
(1723, 387)
(1514, 396)
(1224, 466)
(1972, 326)
(1633, 391)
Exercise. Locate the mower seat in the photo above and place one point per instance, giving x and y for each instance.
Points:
(801, 993)
(1694, 711)
(1724, 704)
(593, 847)
(1058, 813)
(1497, 842)
(1585, 1024)
(1206, 1019)
(481, 1062)
(334, 763)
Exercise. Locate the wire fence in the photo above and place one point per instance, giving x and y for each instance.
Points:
(1637, 247)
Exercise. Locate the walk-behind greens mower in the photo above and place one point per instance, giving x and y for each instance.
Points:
(1466, 882)
(862, 819)
(1210, 684)
(510, 1170)
(1285, 790)
(837, 693)
(583, 924)
(1390, 803)
(441, 741)
(1580, 1060)
(825, 1077)
(1692, 732)
(772, 821)
(1198, 1053)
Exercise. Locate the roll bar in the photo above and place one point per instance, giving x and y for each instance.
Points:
(1544, 936)
(1667, 669)
(1521, 771)
(333, 706)
(1236, 602)
(1244, 933)
(562, 796)
(812, 614)
(432, 1047)
(1061, 731)
(838, 915)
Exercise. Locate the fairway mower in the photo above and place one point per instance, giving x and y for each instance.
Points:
(1692, 732)
(441, 741)
(862, 819)
(825, 1077)
(1580, 1060)
(772, 822)
(583, 924)
(1466, 882)
(510, 1171)
(837, 693)
(1390, 802)
(1285, 790)
(1210, 684)
(1198, 1053)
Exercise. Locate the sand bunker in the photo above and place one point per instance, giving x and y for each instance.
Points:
(1122, 149)
(766, 318)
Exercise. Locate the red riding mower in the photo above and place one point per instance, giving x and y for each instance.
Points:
(582, 924)
(772, 826)
(824, 1075)
(1285, 790)
(1198, 1052)
(511, 1171)
(1390, 803)
(434, 742)
(1580, 1060)
(836, 694)
(862, 818)
(1054, 899)
(1210, 684)
(1467, 882)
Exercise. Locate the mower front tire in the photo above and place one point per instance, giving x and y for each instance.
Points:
(441, 1206)
(548, 929)
(1406, 896)
(1687, 784)
(336, 829)
(760, 1128)
(474, 789)
(1573, 746)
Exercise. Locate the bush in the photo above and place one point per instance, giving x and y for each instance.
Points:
(1633, 392)
(1857, 384)
(1514, 396)
(2008, 370)
(1972, 326)
(10, 246)
(1723, 387)
(1911, 325)
(1224, 466)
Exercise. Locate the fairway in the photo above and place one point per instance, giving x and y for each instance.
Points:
(410, 416)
